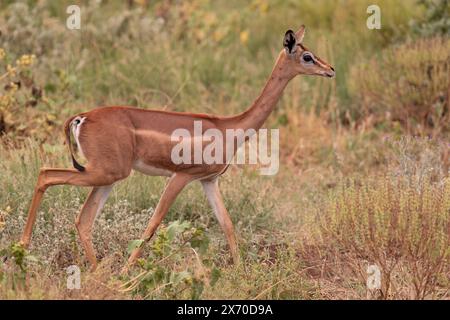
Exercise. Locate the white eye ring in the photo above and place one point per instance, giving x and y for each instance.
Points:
(308, 57)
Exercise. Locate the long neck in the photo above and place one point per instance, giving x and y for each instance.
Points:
(255, 116)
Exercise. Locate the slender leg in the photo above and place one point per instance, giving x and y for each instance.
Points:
(51, 177)
(85, 220)
(212, 192)
(174, 186)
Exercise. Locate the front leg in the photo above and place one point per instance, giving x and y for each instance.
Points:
(174, 186)
(211, 188)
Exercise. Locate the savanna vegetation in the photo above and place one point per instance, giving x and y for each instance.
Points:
(364, 167)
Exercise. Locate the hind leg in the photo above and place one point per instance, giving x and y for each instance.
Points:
(52, 177)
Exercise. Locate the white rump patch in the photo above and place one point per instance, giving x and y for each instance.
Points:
(76, 127)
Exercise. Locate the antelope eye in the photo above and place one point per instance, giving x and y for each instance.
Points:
(307, 57)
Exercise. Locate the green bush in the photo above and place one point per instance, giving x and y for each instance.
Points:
(436, 19)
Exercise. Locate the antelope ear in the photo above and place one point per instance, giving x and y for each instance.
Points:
(290, 42)
(300, 34)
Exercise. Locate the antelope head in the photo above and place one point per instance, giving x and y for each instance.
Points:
(301, 60)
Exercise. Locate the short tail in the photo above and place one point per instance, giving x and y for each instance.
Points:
(67, 126)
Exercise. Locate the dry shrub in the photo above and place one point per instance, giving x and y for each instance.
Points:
(417, 158)
(397, 224)
(19, 97)
(312, 145)
(408, 84)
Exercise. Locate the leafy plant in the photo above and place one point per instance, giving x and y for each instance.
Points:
(436, 20)
(159, 273)
(21, 258)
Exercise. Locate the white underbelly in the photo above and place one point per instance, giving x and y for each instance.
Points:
(150, 170)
